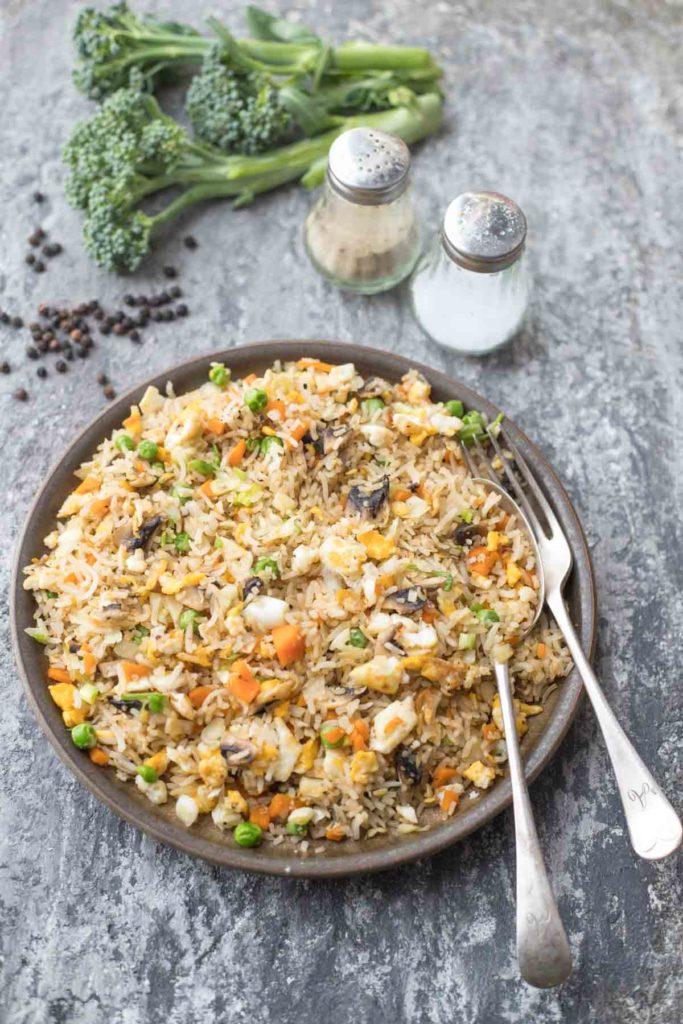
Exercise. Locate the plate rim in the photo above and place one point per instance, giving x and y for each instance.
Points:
(407, 849)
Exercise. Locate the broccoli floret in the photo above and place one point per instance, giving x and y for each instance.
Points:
(237, 112)
(130, 150)
(116, 49)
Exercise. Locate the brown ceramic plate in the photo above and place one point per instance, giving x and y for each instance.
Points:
(348, 858)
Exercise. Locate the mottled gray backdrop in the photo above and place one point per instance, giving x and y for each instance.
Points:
(575, 110)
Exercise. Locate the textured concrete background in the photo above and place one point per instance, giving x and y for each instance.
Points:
(572, 109)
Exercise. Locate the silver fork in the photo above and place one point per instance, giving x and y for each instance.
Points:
(653, 825)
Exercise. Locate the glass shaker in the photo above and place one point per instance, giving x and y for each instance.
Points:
(362, 235)
(471, 291)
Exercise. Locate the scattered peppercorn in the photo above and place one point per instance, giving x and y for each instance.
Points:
(52, 249)
(190, 242)
(102, 378)
(17, 321)
(30, 258)
(181, 310)
(5, 367)
(4, 317)
(39, 267)
(38, 197)
(175, 292)
(60, 366)
(134, 335)
(31, 352)
(170, 272)
(109, 392)
(41, 371)
(21, 394)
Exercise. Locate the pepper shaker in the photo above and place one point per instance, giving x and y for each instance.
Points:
(470, 292)
(362, 235)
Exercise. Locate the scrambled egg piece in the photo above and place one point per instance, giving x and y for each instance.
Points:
(392, 725)
(480, 774)
(383, 673)
(344, 557)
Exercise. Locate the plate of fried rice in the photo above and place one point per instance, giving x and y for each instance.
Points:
(258, 602)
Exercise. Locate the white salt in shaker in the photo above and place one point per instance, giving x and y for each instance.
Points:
(471, 290)
(362, 235)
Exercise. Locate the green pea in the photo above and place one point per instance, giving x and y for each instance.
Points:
(83, 736)
(269, 441)
(218, 543)
(455, 408)
(371, 405)
(139, 633)
(357, 638)
(296, 830)
(219, 375)
(146, 772)
(485, 615)
(248, 834)
(189, 617)
(256, 399)
(181, 542)
(327, 728)
(124, 443)
(51, 594)
(202, 467)
(148, 450)
(263, 564)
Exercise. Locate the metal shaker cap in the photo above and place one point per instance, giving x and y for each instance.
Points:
(368, 167)
(484, 231)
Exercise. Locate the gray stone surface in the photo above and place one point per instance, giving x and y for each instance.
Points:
(571, 109)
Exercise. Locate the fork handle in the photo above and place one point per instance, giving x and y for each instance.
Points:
(653, 825)
(542, 947)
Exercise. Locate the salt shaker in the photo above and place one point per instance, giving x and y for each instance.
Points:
(471, 290)
(362, 235)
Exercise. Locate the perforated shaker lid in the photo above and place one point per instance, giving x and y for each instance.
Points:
(368, 167)
(484, 231)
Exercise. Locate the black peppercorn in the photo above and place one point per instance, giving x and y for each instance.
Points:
(5, 367)
(181, 310)
(105, 329)
(190, 242)
(17, 321)
(109, 392)
(21, 394)
(41, 371)
(32, 352)
(60, 366)
(175, 292)
(134, 335)
(70, 355)
(39, 267)
(170, 272)
(38, 197)
(102, 378)
(30, 259)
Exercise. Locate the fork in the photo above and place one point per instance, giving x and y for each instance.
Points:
(653, 825)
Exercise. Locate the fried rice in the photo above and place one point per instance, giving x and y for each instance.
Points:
(277, 601)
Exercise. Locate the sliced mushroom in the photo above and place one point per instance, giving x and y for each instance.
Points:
(373, 387)
(125, 705)
(409, 772)
(369, 503)
(467, 532)
(254, 585)
(407, 601)
(238, 752)
(335, 438)
(142, 538)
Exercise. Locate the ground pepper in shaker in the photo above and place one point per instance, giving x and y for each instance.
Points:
(362, 235)
(471, 290)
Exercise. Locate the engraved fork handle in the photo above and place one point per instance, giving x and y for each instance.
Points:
(653, 825)
(542, 947)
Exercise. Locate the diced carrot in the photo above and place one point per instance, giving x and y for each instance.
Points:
(280, 806)
(289, 644)
(429, 614)
(133, 670)
(71, 578)
(215, 426)
(360, 734)
(335, 833)
(442, 776)
(99, 756)
(276, 405)
(300, 429)
(334, 735)
(87, 486)
(237, 453)
(243, 689)
(540, 650)
(315, 364)
(481, 560)
(89, 662)
(392, 724)
(60, 675)
(199, 695)
(241, 668)
(250, 378)
(400, 494)
(490, 731)
(420, 490)
(260, 816)
(207, 489)
(449, 798)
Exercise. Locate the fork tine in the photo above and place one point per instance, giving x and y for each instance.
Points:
(468, 460)
(484, 462)
(546, 508)
(517, 489)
